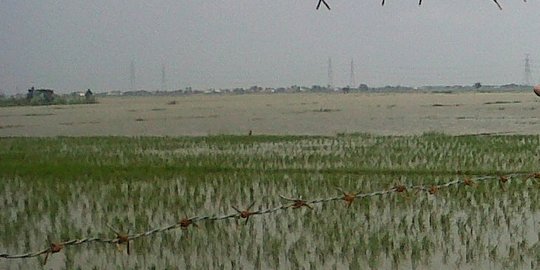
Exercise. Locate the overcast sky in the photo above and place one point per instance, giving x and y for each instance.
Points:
(73, 45)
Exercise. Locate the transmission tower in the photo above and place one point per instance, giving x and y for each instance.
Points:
(527, 73)
(352, 82)
(330, 75)
(132, 76)
(163, 78)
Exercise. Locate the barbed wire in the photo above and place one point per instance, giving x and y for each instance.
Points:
(292, 203)
(383, 2)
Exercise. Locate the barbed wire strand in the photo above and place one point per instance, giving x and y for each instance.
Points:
(383, 2)
(292, 204)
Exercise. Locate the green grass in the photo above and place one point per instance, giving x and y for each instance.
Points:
(66, 188)
(68, 158)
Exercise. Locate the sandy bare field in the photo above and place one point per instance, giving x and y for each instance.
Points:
(288, 114)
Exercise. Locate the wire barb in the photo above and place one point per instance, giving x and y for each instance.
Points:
(121, 239)
(184, 223)
(503, 180)
(399, 188)
(323, 2)
(348, 197)
(53, 248)
(245, 213)
(498, 5)
(469, 182)
(297, 203)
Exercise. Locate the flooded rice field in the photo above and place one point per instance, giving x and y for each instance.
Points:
(59, 189)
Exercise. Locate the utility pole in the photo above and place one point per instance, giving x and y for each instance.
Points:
(330, 75)
(163, 78)
(527, 70)
(132, 76)
(352, 83)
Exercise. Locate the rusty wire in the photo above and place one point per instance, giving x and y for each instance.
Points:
(292, 203)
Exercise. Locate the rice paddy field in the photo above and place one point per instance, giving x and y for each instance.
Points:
(374, 181)
(55, 189)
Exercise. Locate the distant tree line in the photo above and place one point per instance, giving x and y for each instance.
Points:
(37, 97)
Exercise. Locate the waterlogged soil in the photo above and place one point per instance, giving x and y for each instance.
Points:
(285, 114)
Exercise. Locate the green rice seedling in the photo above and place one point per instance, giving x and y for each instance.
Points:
(145, 183)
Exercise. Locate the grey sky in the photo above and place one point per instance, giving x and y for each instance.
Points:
(74, 44)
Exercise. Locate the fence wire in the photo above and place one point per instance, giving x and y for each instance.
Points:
(383, 2)
(291, 203)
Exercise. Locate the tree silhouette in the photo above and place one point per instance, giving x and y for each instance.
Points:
(419, 3)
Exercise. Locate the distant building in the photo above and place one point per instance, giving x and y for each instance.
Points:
(46, 94)
(88, 94)
(114, 93)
